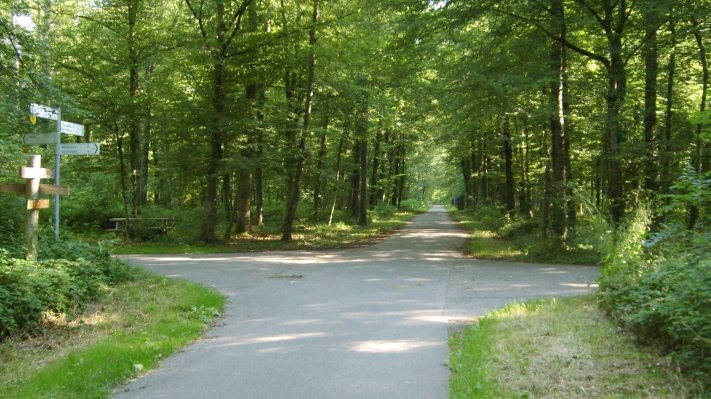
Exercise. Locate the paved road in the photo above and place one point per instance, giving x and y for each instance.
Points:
(358, 323)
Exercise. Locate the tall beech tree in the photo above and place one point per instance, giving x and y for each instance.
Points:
(219, 24)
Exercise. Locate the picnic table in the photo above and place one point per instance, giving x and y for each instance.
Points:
(158, 224)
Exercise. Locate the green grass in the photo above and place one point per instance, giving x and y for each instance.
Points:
(492, 236)
(557, 349)
(306, 236)
(126, 333)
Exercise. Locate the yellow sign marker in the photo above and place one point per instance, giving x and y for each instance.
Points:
(33, 119)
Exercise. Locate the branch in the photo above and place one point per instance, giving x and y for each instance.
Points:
(561, 40)
(100, 23)
(197, 16)
(237, 21)
(594, 13)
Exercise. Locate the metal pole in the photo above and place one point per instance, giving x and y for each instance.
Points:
(57, 156)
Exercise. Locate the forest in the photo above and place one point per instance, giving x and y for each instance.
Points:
(254, 110)
(576, 118)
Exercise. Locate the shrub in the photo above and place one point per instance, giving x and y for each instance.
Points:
(659, 285)
(67, 275)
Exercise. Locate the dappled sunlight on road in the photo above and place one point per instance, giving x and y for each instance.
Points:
(272, 339)
(351, 320)
(391, 346)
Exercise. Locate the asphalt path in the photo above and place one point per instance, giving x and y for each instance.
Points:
(368, 322)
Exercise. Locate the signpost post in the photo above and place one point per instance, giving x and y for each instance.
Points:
(74, 129)
(32, 189)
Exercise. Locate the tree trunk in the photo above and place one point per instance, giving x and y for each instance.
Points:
(509, 186)
(295, 190)
(134, 131)
(209, 223)
(616, 92)
(374, 177)
(558, 177)
(667, 153)
(243, 204)
(651, 22)
(319, 171)
(336, 183)
(703, 155)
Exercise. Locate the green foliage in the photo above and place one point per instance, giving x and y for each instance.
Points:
(142, 322)
(496, 235)
(659, 284)
(414, 205)
(522, 350)
(68, 275)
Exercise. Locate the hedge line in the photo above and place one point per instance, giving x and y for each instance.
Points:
(659, 286)
(69, 275)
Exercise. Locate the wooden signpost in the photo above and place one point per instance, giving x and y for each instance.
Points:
(32, 190)
(74, 129)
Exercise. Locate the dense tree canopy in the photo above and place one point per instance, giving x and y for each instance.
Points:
(252, 111)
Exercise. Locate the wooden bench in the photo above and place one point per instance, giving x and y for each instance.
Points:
(161, 225)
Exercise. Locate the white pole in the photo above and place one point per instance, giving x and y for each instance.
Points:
(57, 156)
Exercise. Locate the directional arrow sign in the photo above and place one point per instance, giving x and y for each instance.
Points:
(74, 129)
(39, 138)
(44, 111)
(79, 149)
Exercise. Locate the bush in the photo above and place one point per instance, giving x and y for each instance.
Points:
(659, 285)
(67, 275)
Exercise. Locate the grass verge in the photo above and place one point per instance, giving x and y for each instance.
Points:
(493, 236)
(125, 333)
(557, 349)
(307, 236)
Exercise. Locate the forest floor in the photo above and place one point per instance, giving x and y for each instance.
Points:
(363, 322)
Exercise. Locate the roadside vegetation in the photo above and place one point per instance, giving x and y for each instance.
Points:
(63, 316)
(562, 349)
(77, 322)
(497, 237)
(343, 232)
(645, 333)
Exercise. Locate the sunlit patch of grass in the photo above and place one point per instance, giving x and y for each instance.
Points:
(556, 349)
(124, 334)
(493, 236)
(306, 236)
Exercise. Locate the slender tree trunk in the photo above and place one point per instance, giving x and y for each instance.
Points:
(243, 204)
(465, 162)
(651, 22)
(525, 191)
(124, 184)
(319, 171)
(134, 132)
(558, 177)
(228, 203)
(667, 154)
(616, 93)
(295, 190)
(509, 186)
(374, 177)
(209, 222)
(703, 154)
(336, 183)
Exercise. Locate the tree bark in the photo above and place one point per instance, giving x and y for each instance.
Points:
(558, 178)
(134, 131)
(667, 153)
(509, 185)
(702, 157)
(217, 45)
(295, 190)
(319, 171)
(651, 22)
